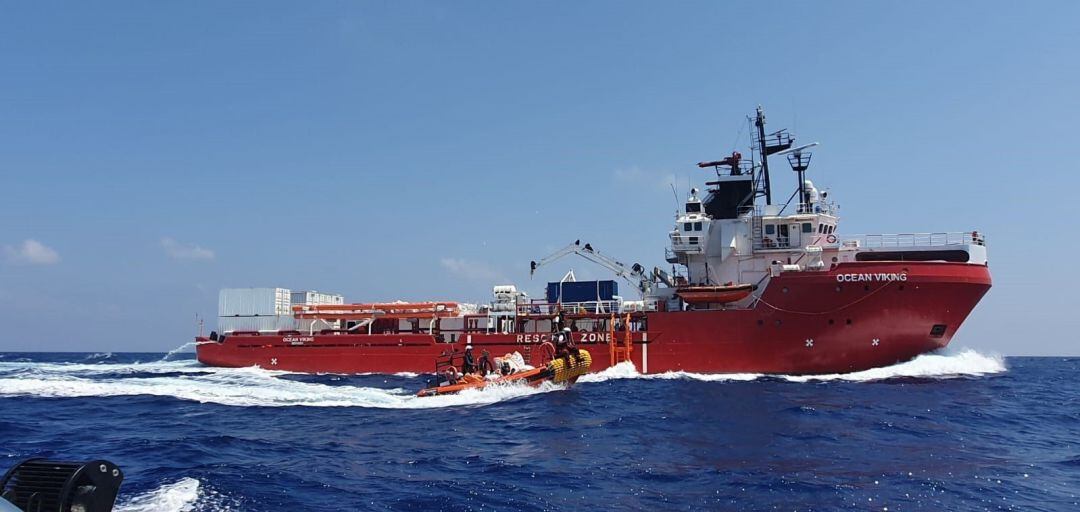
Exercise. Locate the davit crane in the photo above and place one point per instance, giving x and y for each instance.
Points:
(634, 274)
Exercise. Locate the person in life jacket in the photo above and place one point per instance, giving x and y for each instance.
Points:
(450, 376)
(468, 364)
(485, 366)
(565, 346)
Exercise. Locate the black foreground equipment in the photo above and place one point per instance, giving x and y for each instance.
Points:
(39, 485)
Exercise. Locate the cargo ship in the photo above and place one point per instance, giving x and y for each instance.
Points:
(754, 286)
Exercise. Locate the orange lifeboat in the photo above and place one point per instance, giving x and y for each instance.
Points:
(705, 294)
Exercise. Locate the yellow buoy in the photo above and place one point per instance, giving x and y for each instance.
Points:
(577, 366)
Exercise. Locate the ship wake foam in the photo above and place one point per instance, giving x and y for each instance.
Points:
(244, 387)
(180, 496)
(184, 495)
(628, 371)
(959, 364)
(255, 387)
(962, 363)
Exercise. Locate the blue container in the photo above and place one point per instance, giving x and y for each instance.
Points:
(582, 291)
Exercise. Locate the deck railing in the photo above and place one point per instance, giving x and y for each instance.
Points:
(692, 244)
(913, 239)
(594, 306)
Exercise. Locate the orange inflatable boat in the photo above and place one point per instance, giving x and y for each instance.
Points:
(562, 370)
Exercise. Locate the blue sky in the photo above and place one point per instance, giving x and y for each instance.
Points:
(152, 153)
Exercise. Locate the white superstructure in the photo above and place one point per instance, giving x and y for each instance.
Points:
(727, 239)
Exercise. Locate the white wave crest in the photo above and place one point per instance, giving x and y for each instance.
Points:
(186, 380)
(964, 363)
(179, 496)
(28, 366)
(627, 370)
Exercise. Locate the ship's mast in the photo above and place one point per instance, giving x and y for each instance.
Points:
(799, 163)
(781, 140)
(760, 123)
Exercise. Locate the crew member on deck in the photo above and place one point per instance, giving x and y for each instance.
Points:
(565, 346)
(451, 377)
(485, 366)
(468, 364)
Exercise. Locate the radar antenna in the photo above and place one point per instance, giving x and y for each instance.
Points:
(799, 159)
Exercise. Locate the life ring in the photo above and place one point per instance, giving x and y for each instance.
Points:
(831, 239)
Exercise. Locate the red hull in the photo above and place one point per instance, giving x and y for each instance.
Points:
(854, 317)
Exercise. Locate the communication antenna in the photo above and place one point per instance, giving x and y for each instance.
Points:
(769, 144)
(676, 194)
(738, 137)
(799, 159)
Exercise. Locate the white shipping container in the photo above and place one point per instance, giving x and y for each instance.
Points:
(272, 323)
(254, 301)
(314, 298)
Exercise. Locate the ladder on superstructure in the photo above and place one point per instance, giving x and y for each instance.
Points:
(757, 238)
(620, 352)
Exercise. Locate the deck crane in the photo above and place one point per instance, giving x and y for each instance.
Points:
(634, 274)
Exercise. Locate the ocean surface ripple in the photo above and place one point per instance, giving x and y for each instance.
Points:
(955, 431)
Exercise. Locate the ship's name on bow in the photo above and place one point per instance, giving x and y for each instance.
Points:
(882, 276)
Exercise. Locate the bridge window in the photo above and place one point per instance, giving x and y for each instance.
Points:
(770, 229)
(807, 227)
(697, 226)
(693, 207)
(687, 227)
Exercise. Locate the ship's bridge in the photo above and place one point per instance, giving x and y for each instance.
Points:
(691, 230)
(811, 224)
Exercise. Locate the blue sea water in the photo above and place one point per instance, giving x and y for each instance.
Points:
(956, 431)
